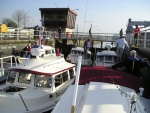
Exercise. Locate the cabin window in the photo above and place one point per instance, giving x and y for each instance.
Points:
(24, 78)
(71, 72)
(108, 58)
(65, 76)
(72, 52)
(58, 80)
(100, 58)
(47, 52)
(43, 81)
(11, 77)
(53, 51)
(75, 52)
(115, 59)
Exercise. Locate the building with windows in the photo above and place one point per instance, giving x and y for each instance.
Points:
(54, 18)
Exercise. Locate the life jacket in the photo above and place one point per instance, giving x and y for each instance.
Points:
(133, 61)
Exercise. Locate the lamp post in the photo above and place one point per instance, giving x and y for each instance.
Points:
(77, 33)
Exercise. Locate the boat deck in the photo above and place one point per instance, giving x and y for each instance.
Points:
(108, 75)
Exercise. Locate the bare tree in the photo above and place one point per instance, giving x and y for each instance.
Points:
(18, 17)
(25, 18)
(21, 17)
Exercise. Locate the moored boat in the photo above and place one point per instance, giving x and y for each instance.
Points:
(105, 57)
(36, 85)
(79, 51)
(45, 50)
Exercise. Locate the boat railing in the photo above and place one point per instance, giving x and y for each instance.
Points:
(6, 62)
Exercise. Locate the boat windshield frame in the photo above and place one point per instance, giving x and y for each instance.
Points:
(28, 78)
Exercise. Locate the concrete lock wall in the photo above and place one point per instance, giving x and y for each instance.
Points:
(9, 49)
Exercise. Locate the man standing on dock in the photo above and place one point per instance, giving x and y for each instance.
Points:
(90, 33)
(121, 33)
(59, 31)
(136, 34)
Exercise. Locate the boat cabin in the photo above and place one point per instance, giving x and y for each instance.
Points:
(105, 57)
(75, 52)
(36, 85)
(49, 50)
(44, 52)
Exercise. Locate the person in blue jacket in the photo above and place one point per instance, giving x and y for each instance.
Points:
(131, 63)
(36, 45)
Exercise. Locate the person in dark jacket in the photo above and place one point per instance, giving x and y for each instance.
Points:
(27, 51)
(132, 63)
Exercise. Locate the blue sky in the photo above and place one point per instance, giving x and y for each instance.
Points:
(107, 16)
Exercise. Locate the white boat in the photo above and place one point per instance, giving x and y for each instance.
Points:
(105, 57)
(45, 50)
(79, 51)
(36, 85)
(101, 97)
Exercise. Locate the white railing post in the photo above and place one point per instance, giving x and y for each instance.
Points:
(2, 73)
(145, 39)
(1, 32)
(17, 34)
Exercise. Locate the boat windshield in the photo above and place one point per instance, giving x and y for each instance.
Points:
(77, 52)
(12, 76)
(108, 58)
(43, 81)
(100, 58)
(26, 78)
(23, 77)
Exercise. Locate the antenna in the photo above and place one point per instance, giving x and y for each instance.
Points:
(85, 18)
(68, 3)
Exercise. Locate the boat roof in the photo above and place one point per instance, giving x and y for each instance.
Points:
(97, 97)
(44, 65)
(78, 49)
(47, 47)
(106, 53)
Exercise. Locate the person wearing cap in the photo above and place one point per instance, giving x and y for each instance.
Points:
(131, 63)
(121, 43)
(36, 45)
(136, 32)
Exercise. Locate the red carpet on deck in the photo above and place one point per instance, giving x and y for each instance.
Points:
(108, 75)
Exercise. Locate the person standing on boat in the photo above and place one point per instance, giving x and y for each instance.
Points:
(87, 45)
(121, 43)
(57, 52)
(131, 63)
(59, 32)
(121, 33)
(136, 32)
